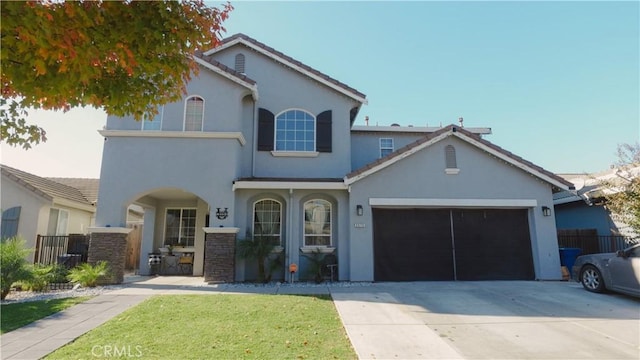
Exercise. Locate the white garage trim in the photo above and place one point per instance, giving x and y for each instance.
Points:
(479, 203)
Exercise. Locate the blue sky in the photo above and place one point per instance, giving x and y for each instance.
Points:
(558, 82)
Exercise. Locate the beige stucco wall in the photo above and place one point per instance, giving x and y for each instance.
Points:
(12, 195)
(34, 213)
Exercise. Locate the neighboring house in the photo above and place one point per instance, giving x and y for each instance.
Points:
(264, 144)
(584, 210)
(33, 205)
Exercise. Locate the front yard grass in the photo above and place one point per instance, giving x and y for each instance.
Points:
(15, 316)
(220, 326)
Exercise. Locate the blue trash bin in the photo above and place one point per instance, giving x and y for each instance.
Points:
(568, 257)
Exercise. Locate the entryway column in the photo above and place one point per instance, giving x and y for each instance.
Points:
(220, 254)
(109, 244)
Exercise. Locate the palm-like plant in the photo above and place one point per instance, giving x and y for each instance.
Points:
(258, 248)
(89, 275)
(13, 263)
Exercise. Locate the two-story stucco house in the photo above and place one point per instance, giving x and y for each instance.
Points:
(264, 144)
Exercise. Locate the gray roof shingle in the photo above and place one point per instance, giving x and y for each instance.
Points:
(49, 188)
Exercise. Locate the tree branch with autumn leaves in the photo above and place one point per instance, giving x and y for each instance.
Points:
(127, 57)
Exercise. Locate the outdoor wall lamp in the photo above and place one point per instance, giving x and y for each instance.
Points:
(546, 211)
(359, 210)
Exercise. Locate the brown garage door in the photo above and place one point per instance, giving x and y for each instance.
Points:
(451, 244)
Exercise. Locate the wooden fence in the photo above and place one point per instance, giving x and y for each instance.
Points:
(591, 243)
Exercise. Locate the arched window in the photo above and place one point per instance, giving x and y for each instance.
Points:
(240, 63)
(267, 215)
(450, 157)
(193, 113)
(295, 131)
(317, 223)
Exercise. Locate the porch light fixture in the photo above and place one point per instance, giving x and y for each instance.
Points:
(359, 210)
(546, 211)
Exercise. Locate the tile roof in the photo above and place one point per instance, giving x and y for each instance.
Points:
(44, 187)
(452, 129)
(291, 60)
(88, 187)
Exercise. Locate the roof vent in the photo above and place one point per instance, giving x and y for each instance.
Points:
(394, 124)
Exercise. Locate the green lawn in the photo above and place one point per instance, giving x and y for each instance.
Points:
(219, 327)
(18, 315)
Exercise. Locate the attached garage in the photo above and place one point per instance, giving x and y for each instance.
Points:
(451, 244)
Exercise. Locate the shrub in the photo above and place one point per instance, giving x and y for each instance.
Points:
(89, 275)
(259, 248)
(13, 263)
(43, 275)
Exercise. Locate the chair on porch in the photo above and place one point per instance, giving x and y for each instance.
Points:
(185, 264)
(330, 267)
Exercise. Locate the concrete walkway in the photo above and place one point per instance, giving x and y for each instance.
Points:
(46, 335)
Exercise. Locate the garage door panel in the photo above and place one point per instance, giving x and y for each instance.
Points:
(412, 244)
(492, 245)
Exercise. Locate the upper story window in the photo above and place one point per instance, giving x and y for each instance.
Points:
(154, 123)
(295, 131)
(317, 223)
(386, 146)
(239, 66)
(193, 113)
(266, 220)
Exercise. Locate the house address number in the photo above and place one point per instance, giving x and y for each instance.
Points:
(359, 226)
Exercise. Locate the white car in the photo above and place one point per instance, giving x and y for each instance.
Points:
(619, 271)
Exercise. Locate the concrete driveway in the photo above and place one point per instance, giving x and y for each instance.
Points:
(488, 320)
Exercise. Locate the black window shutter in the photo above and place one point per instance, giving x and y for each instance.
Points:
(265, 129)
(323, 132)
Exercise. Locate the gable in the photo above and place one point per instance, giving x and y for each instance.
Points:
(470, 139)
(425, 175)
(287, 61)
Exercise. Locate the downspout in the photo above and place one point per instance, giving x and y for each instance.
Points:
(289, 249)
(255, 141)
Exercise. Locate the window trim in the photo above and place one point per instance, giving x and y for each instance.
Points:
(253, 218)
(164, 228)
(386, 148)
(305, 246)
(160, 115)
(184, 116)
(294, 152)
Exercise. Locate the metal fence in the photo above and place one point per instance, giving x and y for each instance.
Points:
(70, 250)
(592, 244)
